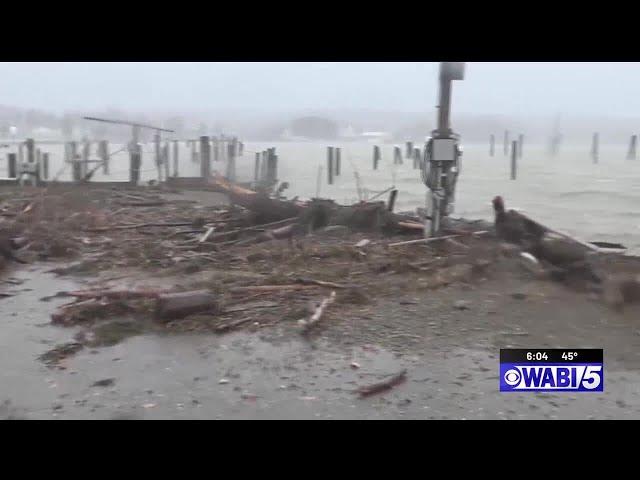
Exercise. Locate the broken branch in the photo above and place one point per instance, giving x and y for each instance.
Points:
(317, 315)
(383, 386)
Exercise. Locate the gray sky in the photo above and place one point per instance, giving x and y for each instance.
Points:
(611, 89)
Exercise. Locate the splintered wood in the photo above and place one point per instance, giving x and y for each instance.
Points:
(309, 324)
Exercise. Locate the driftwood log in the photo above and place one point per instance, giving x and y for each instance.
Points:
(266, 209)
(172, 306)
(383, 386)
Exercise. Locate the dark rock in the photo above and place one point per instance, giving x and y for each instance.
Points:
(461, 305)
(107, 382)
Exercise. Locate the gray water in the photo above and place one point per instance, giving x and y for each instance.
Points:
(567, 192)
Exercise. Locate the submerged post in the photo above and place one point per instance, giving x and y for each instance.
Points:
(376, 156)
(12, 164)
(272, 166)
(45, 166)
(520, 145)
(330, 168)
(205, 157)
(86, 153)
(103, 153)
(256, 169)
(215, 147)
(397, 155)
(595, 148)
(157, 154)
(231, 162)
(492, 145)
(506, 142)
(135, 162)
(338, 160)
(176, 152)
(514, 160)
(31, 150)
(165, 160)
(409, 151)
(416, 158)
(263, 166)
(632, 155)
(76, 172)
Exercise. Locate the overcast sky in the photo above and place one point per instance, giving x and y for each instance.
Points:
(611, 89)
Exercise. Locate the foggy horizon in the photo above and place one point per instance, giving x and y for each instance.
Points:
(512, 89)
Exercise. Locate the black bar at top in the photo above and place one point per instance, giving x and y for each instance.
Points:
(519, 355)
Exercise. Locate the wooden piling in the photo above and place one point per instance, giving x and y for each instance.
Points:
(337, 160)
(272, 166)
(376, 156)
(176, 154)
(215, 147)
(135, 161)
(223, 149)
(195, 156)
(397, 155)
(520, 145)
(514, 160)
(416, 158)
(409, 151)
(633, 145)
(256, 169)
(231, 162)
(21, 153)
(595, 148)
(86, 153)
(506, 142)
(12, 165)
(165, 160)
(44, 171)
(103, 153)
(76, 169)
(330, 168)
(31, 150)
(392, 200)
(263, 166)
(157, 155)
(205, 157)
(492, 145)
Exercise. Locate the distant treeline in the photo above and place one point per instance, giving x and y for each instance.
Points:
(316, 124)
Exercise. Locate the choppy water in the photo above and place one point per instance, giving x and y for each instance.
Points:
(568, 192)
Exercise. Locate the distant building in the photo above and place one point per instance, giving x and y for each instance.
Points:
(376, 137)
(313, 128)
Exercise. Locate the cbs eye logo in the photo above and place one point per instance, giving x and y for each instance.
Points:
(512, 377)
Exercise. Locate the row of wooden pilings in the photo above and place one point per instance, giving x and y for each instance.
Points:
(334, 159)
(632, 152)
(30, 161)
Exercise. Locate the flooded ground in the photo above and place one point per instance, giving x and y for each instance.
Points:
(450, 354)
(451, 357)
(568, 192)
